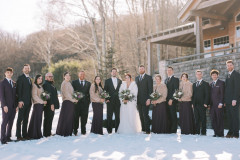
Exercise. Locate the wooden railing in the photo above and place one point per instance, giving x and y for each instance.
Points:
(201, 55)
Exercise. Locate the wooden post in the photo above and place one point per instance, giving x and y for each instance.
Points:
(150, 58)
(199, 35)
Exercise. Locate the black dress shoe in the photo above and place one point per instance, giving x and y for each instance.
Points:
(4, 142)
(229, 136)
(9, 140)
(147, 132)
(214, 135)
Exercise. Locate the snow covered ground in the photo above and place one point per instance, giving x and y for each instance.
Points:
(115, 146)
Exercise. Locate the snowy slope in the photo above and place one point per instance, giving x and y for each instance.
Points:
(115, 146)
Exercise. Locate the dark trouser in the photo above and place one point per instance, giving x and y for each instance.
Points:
(47, 122)
(80, 112)
(35, 125)
(217, 120)
(113, 108)
(172, 118)
(233, 119)
(144, 117)
(7, 123)
(22, 121)
(200, 119)
(97, 122)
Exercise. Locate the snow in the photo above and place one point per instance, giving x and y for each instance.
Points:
(116, 146)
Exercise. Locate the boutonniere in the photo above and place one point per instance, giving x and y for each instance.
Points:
(14, 84)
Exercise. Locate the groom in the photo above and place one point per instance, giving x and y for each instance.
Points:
(145, 88)
(112, 86)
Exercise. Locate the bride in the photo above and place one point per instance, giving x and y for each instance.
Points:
(129, 116)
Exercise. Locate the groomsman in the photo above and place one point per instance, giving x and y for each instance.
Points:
(82, 106)
(172, 84)
(200, 100)
(216, 103)
(232, 97)
(52, 104)
(24, 93)
(112, 86)
(9, 106)
(145, 88)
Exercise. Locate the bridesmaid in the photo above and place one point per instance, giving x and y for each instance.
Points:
(65, 121)
(97, 105)
(34, 129)
(159, 112)
(186, 116)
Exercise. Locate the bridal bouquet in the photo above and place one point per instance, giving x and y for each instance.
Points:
(77, 95)
(178, 94)
(126, 95)
(45, 96)
(104, 95)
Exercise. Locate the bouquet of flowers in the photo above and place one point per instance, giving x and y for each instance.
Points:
(126, 95)
(77, 95)
(155, 96)
(45, 96)
(104, 95)
(178, 94)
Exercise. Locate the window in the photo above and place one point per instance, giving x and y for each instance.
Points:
(238, 18)
(207, 45)
(238, 32)
(221, 42)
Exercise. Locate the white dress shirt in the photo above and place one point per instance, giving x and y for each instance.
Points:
(114, 80)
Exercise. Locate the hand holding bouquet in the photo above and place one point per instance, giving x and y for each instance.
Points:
(126, 95)
(45, 96)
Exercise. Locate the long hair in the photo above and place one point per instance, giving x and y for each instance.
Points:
(96, 86)
(36, 78)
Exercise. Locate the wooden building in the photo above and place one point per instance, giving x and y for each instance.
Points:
(212, 27)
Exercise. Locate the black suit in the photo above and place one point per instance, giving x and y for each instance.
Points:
(199, 98)
(114, 105)
(145, 88)
(8, 98)
(232, 92)
(82, 107)
(24, 93)
(48, 113)
(216, 98)
(172, 85)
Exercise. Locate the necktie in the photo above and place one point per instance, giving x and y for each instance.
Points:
(229, 75)
(168, 79)
(213, 84)
(81, 83)
(140, 77)
(29, 80)
(198, 83)
(10, 81)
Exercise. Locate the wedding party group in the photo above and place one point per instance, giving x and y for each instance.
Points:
(128, 100)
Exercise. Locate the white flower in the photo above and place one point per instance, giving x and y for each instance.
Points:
(174, 94)
(179, 93)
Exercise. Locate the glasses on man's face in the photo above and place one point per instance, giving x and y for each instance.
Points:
(50, 76)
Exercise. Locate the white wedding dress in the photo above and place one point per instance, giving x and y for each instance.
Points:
(129, 115)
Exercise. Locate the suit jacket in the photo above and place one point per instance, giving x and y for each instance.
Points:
(172, 86)
(8, 94)
(109, 87)
(217, 93)
(145, 88)
(51, 89)
(24, 90)
(232, 87)
(201, 94)
(85, 90)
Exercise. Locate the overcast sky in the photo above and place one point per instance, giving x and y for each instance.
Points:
(20, 16)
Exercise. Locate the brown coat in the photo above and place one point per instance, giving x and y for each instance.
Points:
(187, 90)
(161, 89)
(67, 91)
(36, 94)
(95, 96)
